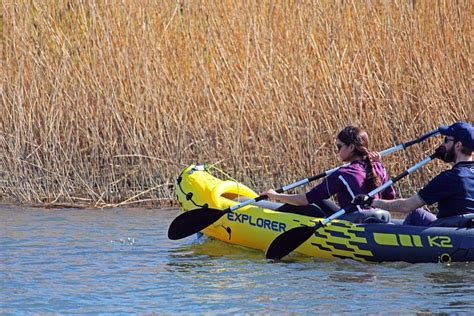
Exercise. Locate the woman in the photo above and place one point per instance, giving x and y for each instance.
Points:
(362, 175)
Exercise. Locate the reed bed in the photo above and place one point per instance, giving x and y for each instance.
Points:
(103, 102)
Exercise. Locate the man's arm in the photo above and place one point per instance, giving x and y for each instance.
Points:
(400, 205)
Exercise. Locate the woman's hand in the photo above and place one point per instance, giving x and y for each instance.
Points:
(272, 194)
(375, 156)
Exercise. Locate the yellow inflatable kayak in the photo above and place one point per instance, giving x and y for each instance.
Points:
(256, 226)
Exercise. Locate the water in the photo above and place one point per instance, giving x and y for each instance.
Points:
(120, 261)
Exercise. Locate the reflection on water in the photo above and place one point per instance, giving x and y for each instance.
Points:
(458, 275)
(120, 261)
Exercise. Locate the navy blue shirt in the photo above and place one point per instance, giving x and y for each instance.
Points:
(453, 190)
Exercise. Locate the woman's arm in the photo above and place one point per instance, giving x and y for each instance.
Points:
(293, 199)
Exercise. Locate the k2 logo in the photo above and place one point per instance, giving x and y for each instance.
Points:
(440, 241)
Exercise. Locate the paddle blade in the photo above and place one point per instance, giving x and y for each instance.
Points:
(290, 240)
(192, 222)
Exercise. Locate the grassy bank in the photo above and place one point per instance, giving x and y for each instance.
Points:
(103, 102)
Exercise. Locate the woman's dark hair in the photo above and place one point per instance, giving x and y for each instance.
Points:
(359, 138)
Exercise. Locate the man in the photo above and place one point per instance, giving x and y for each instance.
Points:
(452, 189)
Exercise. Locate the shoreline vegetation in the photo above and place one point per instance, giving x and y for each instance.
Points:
(103, 103)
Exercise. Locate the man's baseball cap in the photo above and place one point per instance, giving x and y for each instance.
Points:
(461, 131)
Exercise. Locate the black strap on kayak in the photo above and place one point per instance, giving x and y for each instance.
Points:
(189, 195)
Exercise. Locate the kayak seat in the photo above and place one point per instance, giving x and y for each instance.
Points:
(396, 221)
(320, 209)
(466, 220)
(308, 210)
(312, 210)
(372, 216)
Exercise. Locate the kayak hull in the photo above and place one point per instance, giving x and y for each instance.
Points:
(254, 226)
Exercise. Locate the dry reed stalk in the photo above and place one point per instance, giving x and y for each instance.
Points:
(103, 101)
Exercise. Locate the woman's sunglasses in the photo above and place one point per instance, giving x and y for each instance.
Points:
(339, 146)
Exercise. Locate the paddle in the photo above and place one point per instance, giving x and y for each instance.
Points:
(193, 221)
(293, 238)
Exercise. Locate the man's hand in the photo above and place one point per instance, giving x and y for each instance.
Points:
(363, 200)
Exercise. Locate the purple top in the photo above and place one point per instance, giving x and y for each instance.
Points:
(354, 174)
